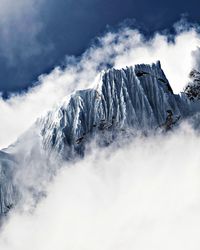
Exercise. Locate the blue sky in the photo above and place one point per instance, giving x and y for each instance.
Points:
(36, 35)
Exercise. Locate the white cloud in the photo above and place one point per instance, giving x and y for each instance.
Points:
(123, 48)
(145, 195)
(20, 26)
(176, 57)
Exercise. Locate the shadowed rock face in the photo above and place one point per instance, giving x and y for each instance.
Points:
(130, 99)
(192, 90)
(7, 190)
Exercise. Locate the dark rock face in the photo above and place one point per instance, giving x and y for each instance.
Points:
(192, 90)
(7, 190)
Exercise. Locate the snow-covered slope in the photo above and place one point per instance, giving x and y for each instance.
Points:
(130, 99)
(135, 97)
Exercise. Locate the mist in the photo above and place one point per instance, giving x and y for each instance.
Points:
(178, 54)
(145, 194)
(16, 18)
(142, 194)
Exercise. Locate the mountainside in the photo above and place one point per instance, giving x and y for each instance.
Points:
(136, 97)
(127, 100)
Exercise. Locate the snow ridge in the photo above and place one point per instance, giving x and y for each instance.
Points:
(133, 98)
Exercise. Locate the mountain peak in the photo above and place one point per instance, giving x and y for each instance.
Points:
(124, 102)
(129, 98)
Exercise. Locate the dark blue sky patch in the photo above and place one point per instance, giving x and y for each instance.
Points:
(67, 27)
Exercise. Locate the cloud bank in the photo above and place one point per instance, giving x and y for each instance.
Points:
(144, 195)
(125, 47)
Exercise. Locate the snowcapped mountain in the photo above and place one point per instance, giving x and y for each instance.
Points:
(131, 99)
(135, 97)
